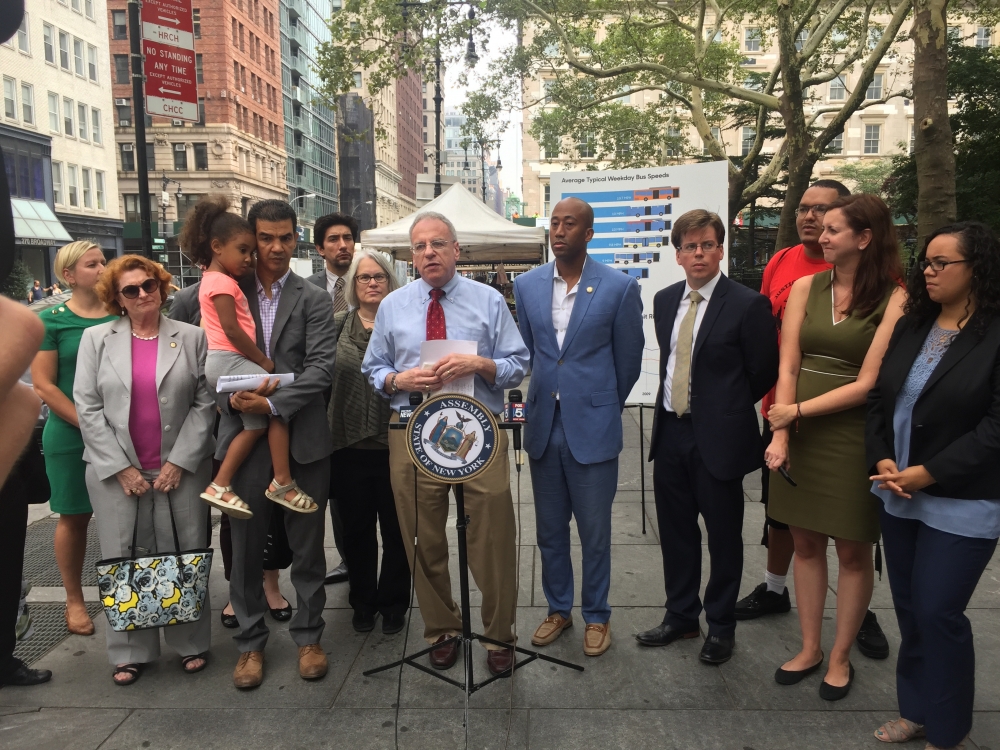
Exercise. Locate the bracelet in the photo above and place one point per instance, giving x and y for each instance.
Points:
(392, 384)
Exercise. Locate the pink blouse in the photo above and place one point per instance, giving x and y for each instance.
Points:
(144, 412)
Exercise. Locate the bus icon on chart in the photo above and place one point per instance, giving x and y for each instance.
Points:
(663, 209)
(655, 194)
(636, 273)
(626, 258)
(637, 242)
(649, 226)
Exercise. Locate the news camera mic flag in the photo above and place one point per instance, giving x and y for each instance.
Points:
(515, 410)
(416, 398)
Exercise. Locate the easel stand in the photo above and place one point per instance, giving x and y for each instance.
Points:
(468, 637)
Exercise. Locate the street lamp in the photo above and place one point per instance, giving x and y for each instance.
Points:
(165, 202)
(300, 197)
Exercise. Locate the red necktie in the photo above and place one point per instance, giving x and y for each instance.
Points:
(435, 317)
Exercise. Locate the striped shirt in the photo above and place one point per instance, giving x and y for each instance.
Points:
(269, 307)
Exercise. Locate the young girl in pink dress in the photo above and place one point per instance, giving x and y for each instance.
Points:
(223, 243)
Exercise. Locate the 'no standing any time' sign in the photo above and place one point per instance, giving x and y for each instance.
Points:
(169, 65)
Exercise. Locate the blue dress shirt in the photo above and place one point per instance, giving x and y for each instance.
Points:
(472, 312)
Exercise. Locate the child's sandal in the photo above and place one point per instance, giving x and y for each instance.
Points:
(234, 507)
(300, 502)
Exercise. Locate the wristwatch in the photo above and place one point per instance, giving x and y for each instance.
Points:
(393, 388)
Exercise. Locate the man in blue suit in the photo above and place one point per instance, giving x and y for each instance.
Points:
(582, 324)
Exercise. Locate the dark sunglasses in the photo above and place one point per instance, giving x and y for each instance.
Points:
(132, 291)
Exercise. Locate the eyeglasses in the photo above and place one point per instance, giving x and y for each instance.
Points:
(705, 246)
(819, 210)
(365, 279)
(938, 265)
(132, 291)
(437, 245)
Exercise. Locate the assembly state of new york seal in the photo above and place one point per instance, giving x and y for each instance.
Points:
(452, 438)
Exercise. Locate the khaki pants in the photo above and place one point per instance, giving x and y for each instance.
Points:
(491, 542)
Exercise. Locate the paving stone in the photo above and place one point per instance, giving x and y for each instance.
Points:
(58, 727)
(986, 730)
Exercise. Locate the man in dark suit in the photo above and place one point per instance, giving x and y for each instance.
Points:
(185, 306)
(335, 236)
(295, 329)
(718, 357)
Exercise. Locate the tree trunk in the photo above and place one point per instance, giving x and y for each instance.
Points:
(737, 181)
(934, 150)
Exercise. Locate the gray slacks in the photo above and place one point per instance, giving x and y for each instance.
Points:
(114, 514)
(305, 537)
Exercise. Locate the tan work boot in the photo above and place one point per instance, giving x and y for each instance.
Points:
(550, 629)
(597, 638)
(249, 671)
(312, 662)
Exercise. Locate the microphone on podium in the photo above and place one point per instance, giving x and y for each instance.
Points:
(515, 412)
(416, 398)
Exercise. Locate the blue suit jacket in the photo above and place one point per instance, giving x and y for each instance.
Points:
(597, 366)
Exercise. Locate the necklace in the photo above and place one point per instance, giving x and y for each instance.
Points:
(365, 319)
(146, 338)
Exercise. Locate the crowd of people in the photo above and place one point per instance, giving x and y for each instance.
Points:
(880, 416)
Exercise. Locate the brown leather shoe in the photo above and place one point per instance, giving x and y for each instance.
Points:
(500, 660)
(550, 629)
(446, 656)
(249, 671)
(312, 662)
(596, 638)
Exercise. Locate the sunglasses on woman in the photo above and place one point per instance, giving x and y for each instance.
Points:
(132, 291)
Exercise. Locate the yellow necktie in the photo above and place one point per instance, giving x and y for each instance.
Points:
(680, 389)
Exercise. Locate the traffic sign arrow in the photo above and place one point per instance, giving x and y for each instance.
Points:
(174, 21)
(169, 91)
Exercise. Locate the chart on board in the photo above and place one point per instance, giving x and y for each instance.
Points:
(634, 211)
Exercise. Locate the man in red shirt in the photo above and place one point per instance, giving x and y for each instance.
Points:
(784, 269)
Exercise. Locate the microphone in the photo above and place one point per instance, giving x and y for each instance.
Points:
(406, 412)
(515, 412)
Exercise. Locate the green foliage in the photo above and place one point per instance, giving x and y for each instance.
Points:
(974, 82)
(868, 176)
(17, 284)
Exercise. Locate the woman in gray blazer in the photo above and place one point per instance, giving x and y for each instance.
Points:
(146, 416)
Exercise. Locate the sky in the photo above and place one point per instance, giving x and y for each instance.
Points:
(454, 96)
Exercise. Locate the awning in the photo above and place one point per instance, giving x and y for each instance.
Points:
(35, 224)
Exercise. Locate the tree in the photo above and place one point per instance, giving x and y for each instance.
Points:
(868, 176)
(597, 51)
(18, 282)
(974, 84)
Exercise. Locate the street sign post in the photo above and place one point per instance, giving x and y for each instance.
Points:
(171, 88)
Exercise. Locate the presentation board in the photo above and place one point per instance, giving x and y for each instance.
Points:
(634, 210)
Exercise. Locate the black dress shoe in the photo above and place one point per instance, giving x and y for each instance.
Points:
(337, 575)
(794, 677)
(830, 693)
(717, 650)
(664, 635)
(228, 621)
(282, 615)
(21, 675)
(363, 622)
(871, 640)
(393, 623)
(761, 602)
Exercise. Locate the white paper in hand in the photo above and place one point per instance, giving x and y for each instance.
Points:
(431, 353)
(234, 383)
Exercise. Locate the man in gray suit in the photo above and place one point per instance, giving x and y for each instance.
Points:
(185, 306)
(295, 329)
(335, 236)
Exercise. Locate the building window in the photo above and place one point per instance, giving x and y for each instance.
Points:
(236, 74)
(48, 42)
(180, 157)
(99, 190)
(64, 50)
(53, 112)
(124, 113)
(88, 200)
(9, 98)
(587, 147)
(357, 79)
(22, 35)
(546, 195)
(954, 33)
(196, 20)
(150, 157)
(717, 135)
(199, 73)
(749, 136)
(121, 69)
(92, 62)
(57, 188)
(751, 39)
(913, 138)
(88, 8)
(127, 151)
(236, 39)
(201, 112)
(242, 39)
(67, 116)
(800, 40)
(74, 196)
(201, 156)
(836, 145)
(78, 56)
(873, 134)
(984, 36)
(874, 91)
(95, 124)
(77, 6)
(132, 208)
(838, 89)
(28, 104)
(81, 115)
(119, 25)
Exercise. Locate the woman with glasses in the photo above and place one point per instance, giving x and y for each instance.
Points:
(80, 264)
(359, 423)
(836, 328)
(932, 442)
(146, 415)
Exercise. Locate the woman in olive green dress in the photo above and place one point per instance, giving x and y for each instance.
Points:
(79, 264)
(835, 331)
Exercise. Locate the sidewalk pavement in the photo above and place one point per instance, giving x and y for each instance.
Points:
(631, 697)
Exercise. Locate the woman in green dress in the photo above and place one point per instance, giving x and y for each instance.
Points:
(79, 264)
(835, 331)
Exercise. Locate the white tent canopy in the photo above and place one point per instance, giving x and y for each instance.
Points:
(484, 235)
